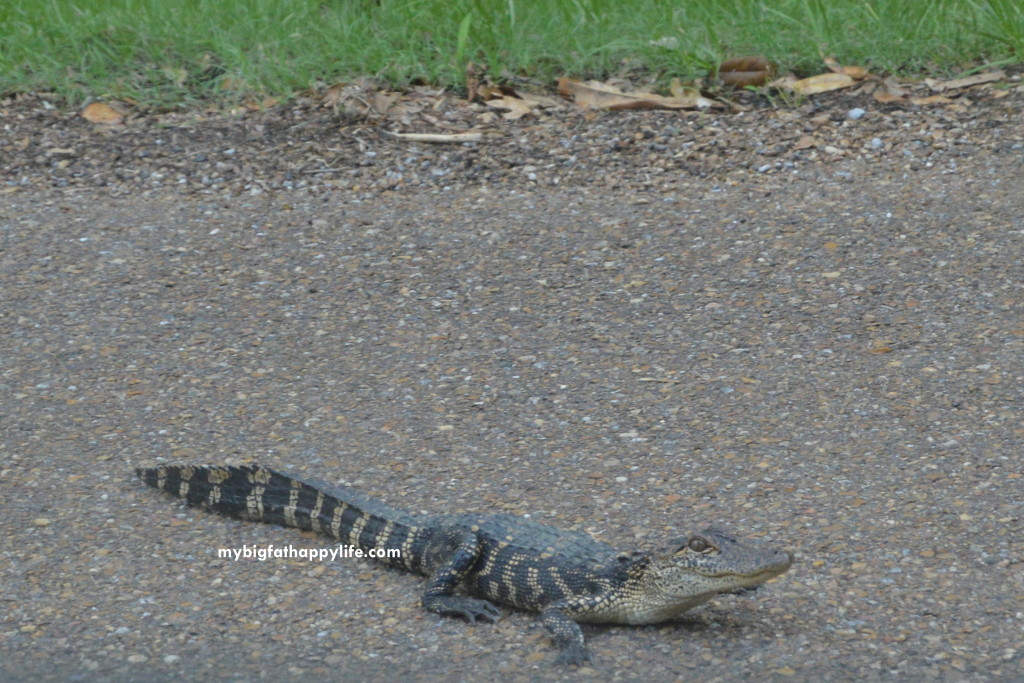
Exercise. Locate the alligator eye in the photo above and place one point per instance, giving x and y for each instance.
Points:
(698, 544)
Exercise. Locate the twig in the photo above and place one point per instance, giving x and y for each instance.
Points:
(437, 137)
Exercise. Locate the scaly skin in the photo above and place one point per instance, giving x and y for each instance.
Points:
(567, 576)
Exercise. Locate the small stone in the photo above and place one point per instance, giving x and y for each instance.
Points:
(855, 113)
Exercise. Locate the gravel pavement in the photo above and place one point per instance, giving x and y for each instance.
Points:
(799, 325)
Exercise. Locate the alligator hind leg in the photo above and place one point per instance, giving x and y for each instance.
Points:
(455, 553)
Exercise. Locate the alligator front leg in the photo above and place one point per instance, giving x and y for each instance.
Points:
(566, 634)
(438, 596)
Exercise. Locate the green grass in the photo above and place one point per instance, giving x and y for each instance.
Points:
(171, 52)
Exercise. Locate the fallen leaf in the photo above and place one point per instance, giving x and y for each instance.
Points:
(597, 95)
(889, 90)
(381, 101)
(786, 81)
(805, 142)
(253, 104)
(857, 73)
(366, 99)
(515, 107)
(99, 112)
(966, 82)
(931, 99)
(822, 83)
(488, 92)
(539, 101)
(741, 72)
(677, 89)
(886, 98)
(878, 346)
(333, 94)
(893, 87)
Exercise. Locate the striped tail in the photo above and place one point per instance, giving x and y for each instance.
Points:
(260, 494)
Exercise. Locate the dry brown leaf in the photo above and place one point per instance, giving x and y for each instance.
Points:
(822, 83)
(931, 99)
(364, 99)
(676, 88)
(858, 73)
(805, 142)
(540, 101)
(422, 91)
(382, 101)
(966, 82)
(887, 97)
(786, 81)
(100, 112)
(515, 107)
(253, 104)
(890, 90)
(488, 92)
(741, 72)
(333, 94)
(596, 95)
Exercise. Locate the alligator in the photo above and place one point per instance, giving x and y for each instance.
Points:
(569, 577)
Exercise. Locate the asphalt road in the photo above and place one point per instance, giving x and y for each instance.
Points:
(828, 357)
